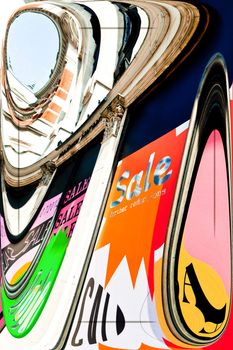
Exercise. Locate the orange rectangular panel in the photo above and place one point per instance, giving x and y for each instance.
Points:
(62, 94)
(66, 79)
(55, 107)
(50, 116)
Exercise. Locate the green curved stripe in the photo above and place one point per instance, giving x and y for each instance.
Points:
(22, 313)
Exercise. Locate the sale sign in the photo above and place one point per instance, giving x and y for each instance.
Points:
(139, 204)
(130, 242)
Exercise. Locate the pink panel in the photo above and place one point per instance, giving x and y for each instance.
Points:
(207, 230)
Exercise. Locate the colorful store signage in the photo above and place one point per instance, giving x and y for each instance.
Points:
(130, 243)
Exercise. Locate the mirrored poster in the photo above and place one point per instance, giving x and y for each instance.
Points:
(129, 246)
(31, 262)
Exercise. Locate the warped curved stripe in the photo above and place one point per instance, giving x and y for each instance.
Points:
(22, 312)
(167, 30)
(199, 235)
(104, 244)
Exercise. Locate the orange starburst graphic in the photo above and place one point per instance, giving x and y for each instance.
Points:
(142, 182)
(130, 235)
